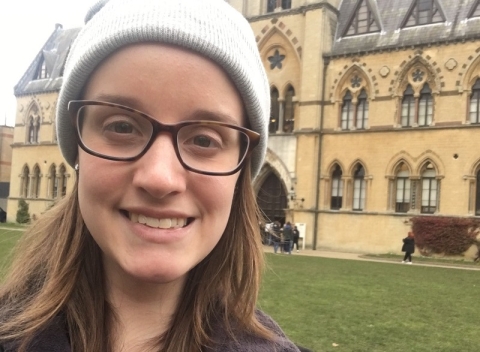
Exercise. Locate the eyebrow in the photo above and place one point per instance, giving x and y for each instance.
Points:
(200, 114)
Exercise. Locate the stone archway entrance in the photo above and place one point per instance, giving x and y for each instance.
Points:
(272, 199)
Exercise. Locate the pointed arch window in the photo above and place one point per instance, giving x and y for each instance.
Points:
(475, 103)
(361, 114)
(289, 114)
(62, 181)
(425, 106)
(36, 182)
(52, 193)
(42, 72)
(337, 189)
(408, 107)
(363, 20)
(429, 190)
(25, 182)
(474, 10)
(347, 111)
(359, 186)
(423, 12)
(274, 111)
(403, 189)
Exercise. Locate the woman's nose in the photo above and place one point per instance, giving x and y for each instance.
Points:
(158, 171)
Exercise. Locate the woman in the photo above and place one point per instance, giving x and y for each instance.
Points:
(408, 247)
(163, 113)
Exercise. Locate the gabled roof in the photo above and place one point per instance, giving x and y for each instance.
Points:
(53, 55)
(393, 13)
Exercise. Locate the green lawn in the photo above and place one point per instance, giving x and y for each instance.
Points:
(362, 306)
(369, 306)
(9, 234)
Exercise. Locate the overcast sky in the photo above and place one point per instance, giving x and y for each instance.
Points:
(25, 26)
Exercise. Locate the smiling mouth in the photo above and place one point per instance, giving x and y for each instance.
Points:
(167, 223)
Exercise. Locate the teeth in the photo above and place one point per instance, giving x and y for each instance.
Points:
(158, 223)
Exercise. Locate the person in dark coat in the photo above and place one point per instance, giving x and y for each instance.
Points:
(408, 247)
(296, 236)
(288, 237)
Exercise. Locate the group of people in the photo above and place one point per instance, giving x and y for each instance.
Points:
(284, 238)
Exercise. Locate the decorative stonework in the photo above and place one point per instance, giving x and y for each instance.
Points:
(281, 27)
(468, 72)
(451, 64)
(416, 71)
(384, 71)
(276, 60)
(355, 77)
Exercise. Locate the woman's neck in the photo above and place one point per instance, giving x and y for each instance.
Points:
(142, 310)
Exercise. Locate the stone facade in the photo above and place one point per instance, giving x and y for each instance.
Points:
(374, 118)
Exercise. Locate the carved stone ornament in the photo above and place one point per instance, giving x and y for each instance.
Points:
(384, 71)
(450, 64)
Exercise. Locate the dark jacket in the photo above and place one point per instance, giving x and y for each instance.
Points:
(287, 233)
(55, 339)
(408, 245)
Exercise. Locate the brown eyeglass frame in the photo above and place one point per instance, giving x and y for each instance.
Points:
(75, 105)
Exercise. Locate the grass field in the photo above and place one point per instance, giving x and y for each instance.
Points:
(369, 306)
(9, 234)
(362, 306)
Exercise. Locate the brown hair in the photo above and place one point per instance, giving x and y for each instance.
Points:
(57, 271)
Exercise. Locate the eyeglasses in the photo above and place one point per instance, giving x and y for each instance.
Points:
(116, 132)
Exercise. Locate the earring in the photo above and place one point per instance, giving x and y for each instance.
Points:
(76, 167)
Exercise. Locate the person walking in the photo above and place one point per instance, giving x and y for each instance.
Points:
(408, 247)
(288, 237)
(296, 236)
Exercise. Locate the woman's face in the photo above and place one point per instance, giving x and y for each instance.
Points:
(171, 85)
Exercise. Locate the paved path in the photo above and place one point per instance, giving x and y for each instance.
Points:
(362, 257)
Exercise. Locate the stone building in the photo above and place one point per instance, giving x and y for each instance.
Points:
(39, 173)
(375, 110)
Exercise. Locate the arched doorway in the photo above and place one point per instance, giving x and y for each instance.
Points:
(272, 199)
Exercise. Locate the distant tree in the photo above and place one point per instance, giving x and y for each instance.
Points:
(23, 216)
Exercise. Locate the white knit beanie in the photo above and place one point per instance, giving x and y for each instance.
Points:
(211, 28)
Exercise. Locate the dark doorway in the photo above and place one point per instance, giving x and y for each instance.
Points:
(272, 199)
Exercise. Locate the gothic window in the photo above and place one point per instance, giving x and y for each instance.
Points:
(274, 111)
(423, 12)
(273, 4)
(361, 114)
(425, 106)
(429, 190)
(408, 107)
(347, 111)
(52, 183)
(25, 182)
(475, 103)
(35, 182)
(359, 186)
(402, 196)
(62, 181)
(42, 72)
(289, 114)
(474, 10)
(337, 189)
(286, 4)
(477, 196)
(363, 20)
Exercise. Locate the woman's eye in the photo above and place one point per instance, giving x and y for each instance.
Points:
(120, 127)
(202, 141)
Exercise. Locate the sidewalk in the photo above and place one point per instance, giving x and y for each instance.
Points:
(361, 257)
